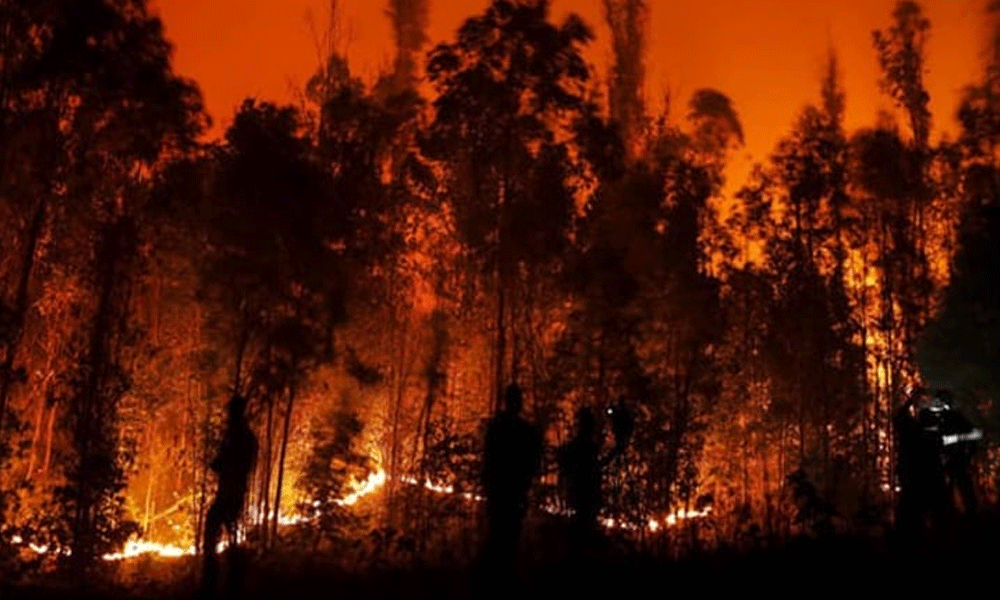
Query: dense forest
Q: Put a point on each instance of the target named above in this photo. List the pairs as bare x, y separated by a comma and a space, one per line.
372, 264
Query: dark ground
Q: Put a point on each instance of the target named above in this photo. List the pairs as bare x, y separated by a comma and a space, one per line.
953, 564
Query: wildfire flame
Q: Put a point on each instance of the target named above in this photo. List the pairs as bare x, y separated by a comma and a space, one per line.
135, 548
369, 486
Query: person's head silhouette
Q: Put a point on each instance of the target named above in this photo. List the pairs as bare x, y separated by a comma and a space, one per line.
945, 399
237, 407
513, 399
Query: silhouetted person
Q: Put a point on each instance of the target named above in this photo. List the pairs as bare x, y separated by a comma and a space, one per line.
232, 465
580, 472
959, 441
622, 426
510, 462
581, 468
918, 465
938, 504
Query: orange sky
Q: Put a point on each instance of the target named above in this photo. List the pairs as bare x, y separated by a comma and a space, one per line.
767, 55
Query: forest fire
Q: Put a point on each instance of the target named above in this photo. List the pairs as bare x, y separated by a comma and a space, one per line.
486, 292
374, 483
371, 485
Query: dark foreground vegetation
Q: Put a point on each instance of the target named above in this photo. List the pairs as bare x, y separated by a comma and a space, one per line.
952, 564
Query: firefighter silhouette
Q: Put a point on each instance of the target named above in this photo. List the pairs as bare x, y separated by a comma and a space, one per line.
938, 503
622, 426
232, 465
580, 473
959, 446
918, 465
581, 466
511, 460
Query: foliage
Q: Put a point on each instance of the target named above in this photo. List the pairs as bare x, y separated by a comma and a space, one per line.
508, 75
333, 470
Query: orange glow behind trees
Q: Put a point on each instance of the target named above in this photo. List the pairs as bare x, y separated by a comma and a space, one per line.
764, 54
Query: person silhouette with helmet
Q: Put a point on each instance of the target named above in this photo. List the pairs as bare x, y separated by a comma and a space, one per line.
937, 498
959, 446
232, 465
511, 460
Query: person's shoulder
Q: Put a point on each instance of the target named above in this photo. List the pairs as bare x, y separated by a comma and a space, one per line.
247, 434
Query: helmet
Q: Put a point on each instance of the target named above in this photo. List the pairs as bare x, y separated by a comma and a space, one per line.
944, 398
937, 405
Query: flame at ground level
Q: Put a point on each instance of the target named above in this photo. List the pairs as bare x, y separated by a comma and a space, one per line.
135, 548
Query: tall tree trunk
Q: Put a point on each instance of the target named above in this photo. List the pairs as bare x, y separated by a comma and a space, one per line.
281, 459
501, 346
206, 459
36, 436
49, 431
43, 402
500, 276
150, 479
20, 307
435, 374
241, 349
399, 395
866, 386
90, 408
265, 493
892, 366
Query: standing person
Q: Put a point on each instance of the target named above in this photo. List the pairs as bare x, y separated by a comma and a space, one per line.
510, 462
580, 472
622, 426
959, 440
938, 505
232, 465
918, 465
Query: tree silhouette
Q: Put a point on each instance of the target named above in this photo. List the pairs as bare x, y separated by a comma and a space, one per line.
89, 97
502, 85
627, 20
